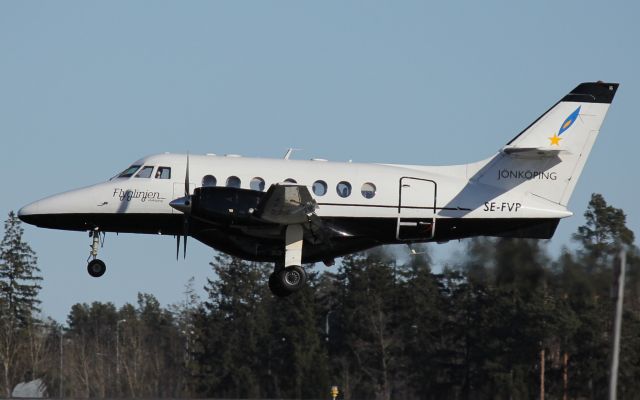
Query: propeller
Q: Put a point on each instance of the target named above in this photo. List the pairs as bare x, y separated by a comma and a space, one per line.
187, 202
183, 205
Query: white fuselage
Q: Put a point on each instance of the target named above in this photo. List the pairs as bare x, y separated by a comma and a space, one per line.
439, 197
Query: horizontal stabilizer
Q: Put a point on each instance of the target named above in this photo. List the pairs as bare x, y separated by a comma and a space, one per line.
532, 152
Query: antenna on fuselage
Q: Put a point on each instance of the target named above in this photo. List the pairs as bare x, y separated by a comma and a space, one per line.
289, 152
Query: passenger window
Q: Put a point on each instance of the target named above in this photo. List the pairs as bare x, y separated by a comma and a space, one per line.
163, 173
289, 180
233, 181
145, 172
257, 183
368, 190
344, 189
129, 171
319, 188
209, 181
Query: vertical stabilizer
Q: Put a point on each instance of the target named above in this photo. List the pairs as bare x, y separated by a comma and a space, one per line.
547, 158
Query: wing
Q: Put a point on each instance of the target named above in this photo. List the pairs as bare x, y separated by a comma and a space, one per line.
283, 204
290, 204
286, 204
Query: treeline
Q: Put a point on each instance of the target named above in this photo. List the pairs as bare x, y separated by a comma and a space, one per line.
505, 321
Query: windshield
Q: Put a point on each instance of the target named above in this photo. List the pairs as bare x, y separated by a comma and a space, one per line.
128, 172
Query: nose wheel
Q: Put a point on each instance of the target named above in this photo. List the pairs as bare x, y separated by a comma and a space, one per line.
95, 266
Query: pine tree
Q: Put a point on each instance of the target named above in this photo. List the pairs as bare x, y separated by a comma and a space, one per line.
19, 287
421, 320
297, 353
231, 330
590, 276
604, 233
90, 353
185, 314
19, 274
501, 317
369, 323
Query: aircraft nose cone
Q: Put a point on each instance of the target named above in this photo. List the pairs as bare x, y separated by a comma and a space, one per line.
182, 204
28, 212
66, 210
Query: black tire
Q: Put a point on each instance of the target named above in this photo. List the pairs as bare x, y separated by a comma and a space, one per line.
275, 287
292, 278
96, 268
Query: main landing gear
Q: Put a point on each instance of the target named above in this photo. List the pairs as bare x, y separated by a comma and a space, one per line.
289, 277
286, 280
95, 266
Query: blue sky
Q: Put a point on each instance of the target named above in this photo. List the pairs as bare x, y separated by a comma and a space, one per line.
88, 87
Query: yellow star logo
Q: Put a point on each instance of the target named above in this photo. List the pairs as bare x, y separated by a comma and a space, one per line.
555, 139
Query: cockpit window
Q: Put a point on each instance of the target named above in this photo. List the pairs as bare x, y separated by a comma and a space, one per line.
145, 172
163, 173
129, 171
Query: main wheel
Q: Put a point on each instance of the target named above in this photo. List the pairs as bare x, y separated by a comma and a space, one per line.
292, 278
96, 268
276, 288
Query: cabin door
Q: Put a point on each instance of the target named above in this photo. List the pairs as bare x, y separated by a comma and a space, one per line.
416, 209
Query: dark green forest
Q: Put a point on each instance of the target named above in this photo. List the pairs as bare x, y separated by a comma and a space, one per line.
504, 321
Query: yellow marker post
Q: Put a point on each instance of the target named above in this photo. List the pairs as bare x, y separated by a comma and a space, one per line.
334, 392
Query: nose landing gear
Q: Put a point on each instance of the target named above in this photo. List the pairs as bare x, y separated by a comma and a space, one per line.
95, 266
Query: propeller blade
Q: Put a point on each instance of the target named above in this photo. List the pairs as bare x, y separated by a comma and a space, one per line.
184, 254
186, 234
186, 179
187, 202
177, 246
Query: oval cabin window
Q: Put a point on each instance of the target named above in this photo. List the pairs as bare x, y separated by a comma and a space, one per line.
233, 181
368, 190
319, 188
257, 183
344, 189
209, 181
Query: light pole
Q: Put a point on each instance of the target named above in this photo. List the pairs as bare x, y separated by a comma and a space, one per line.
118, 351
187, 335
619, 279
61, 332
327, 326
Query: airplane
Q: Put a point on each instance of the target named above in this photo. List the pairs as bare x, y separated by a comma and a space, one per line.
292, 212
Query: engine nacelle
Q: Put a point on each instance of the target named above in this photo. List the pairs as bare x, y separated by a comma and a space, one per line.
225, 204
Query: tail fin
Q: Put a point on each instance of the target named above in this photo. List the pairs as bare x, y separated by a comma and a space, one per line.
546, 158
